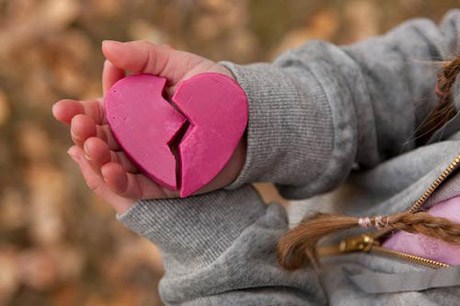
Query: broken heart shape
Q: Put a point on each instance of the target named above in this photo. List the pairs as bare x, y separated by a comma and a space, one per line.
181, 145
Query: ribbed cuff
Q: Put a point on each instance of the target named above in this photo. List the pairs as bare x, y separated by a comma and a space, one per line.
290, 129
197, 229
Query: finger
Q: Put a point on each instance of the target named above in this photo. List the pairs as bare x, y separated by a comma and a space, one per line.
110, 75
98, 153
142, 56
82, 127
97, 184
65, 110
134, 186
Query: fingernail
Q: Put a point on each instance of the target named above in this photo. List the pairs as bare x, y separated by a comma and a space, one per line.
85, 151
53, 109
75, 137
104, 176
73, 154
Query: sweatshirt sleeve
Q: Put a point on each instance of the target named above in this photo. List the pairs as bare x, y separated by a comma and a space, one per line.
320, 110
219, 249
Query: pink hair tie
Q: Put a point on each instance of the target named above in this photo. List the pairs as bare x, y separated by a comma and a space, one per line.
365, 222
378, 222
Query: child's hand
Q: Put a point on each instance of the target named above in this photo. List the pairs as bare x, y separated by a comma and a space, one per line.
106, 169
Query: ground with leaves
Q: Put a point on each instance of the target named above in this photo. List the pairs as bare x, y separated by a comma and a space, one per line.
60, 245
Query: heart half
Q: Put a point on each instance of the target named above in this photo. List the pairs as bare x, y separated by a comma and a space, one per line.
184, 145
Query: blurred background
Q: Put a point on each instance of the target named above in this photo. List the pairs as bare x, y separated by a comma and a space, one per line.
59, 244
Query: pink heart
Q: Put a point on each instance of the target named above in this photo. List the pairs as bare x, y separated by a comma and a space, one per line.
202, 127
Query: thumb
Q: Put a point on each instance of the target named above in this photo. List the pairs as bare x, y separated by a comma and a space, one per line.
145, 57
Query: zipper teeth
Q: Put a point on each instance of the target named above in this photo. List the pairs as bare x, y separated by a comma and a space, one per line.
375, 248
413, 258
452, 166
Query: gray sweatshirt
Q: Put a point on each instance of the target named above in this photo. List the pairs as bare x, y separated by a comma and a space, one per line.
322, 119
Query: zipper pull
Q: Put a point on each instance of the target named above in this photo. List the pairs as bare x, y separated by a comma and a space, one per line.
361, 243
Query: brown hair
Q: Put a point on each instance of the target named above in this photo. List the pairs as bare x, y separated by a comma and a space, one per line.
298, 245
445, 109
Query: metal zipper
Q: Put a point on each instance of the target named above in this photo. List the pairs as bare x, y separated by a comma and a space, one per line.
367, 243
370, 243
452, 166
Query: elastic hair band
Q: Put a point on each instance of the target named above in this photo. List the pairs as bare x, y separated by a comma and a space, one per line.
365, 222
378, 222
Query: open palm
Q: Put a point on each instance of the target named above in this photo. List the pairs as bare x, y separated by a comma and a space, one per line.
105, 168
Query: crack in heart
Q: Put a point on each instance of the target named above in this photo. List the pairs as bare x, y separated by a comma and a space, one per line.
190, 137
174, 147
